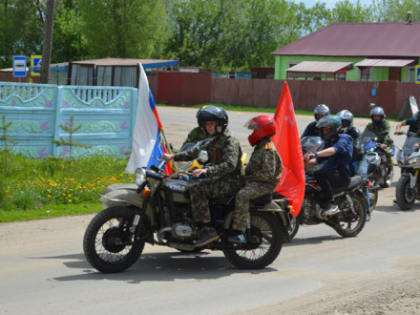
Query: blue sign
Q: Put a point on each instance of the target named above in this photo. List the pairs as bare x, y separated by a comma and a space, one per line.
36, 61
19, 66
417, 73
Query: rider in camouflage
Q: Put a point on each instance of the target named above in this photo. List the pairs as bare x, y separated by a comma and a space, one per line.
262, 173
198, 133
381, 128
224, 174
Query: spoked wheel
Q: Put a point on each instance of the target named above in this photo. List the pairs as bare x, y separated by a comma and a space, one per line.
349, 222
108, 244
293, 227
406, 196
263, 245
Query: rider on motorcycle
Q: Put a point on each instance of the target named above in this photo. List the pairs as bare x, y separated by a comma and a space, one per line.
336, 160
224, 174
262, 173
361, 163
413, 123
198, 133
320, 111
381, 128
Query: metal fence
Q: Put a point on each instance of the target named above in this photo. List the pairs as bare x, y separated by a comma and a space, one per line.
38, 112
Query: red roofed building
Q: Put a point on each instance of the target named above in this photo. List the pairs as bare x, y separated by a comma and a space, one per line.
353, 52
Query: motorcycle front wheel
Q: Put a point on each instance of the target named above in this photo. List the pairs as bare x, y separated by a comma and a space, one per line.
266, 232
108, 243
350, 223
406, 196
293, 227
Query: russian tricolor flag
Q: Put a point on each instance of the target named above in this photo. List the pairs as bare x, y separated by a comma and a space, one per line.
148, 145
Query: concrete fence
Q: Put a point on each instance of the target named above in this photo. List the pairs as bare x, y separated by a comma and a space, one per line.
106, 115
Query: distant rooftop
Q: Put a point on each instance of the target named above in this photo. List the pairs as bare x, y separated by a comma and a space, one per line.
358, 40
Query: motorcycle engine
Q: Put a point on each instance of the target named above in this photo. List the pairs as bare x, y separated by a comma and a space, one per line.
181, 230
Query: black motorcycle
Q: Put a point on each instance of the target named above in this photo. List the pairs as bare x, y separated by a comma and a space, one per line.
408, 159
351, 201
157, 210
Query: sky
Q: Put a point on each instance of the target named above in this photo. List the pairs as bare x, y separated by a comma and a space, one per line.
330, 3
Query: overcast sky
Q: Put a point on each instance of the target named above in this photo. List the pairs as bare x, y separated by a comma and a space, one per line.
330, 3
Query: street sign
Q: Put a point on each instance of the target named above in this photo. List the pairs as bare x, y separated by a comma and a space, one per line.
417, 73
19, 66
36, 61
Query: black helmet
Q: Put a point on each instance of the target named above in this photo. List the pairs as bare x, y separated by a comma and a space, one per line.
377, 111
321, 109
346, 119
213, 113
330, 121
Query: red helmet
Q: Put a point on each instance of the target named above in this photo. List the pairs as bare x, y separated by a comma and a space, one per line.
263, 126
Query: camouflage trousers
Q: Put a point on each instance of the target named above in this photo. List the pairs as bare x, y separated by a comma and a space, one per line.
251, 190
203, 190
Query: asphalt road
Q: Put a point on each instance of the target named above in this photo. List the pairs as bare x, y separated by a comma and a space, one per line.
43, 269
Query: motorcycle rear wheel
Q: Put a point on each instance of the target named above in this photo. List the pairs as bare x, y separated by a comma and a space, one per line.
272, 240
406, 196
107, 241
344, 224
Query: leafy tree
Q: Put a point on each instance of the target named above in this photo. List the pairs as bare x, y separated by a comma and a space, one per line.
346, 11
20, 29
69, 40
122, 28
395, 10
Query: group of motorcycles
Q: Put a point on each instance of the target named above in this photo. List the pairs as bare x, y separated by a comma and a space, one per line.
156, 209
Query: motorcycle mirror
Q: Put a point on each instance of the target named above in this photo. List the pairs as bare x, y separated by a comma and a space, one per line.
203, 157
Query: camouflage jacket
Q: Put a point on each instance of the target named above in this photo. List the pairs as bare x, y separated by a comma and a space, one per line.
195, 135
378, 129
265, 165
224, 152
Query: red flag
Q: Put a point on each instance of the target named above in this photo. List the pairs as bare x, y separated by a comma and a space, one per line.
287, 142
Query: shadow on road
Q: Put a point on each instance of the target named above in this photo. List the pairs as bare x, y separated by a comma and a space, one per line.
158, 267
313, 240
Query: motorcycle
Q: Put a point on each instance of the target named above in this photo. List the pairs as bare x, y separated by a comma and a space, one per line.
158, 211
408, 159
351, 200
379, 173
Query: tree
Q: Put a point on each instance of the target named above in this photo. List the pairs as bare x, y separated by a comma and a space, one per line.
346, 11
395, 10
122, 28
47, 41
20, 29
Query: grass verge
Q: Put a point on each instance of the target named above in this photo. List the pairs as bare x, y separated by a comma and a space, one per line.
49, 211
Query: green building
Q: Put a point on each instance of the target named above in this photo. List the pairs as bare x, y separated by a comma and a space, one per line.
353, 52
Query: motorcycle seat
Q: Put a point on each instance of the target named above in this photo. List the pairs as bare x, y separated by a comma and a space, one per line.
354, 182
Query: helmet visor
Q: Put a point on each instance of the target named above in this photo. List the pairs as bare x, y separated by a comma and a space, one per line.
252, 125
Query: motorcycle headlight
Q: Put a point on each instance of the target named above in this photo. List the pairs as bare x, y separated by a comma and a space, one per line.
140, 175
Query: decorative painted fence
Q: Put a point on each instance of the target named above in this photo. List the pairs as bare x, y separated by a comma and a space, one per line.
107, 116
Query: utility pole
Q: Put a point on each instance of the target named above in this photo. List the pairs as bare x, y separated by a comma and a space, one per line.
47, 41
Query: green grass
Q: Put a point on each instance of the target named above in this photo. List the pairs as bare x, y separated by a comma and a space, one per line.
51, 187
49, 211
266, 110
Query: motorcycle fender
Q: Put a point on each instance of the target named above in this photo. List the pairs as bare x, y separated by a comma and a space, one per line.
122, 197
270, 207
113, 187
